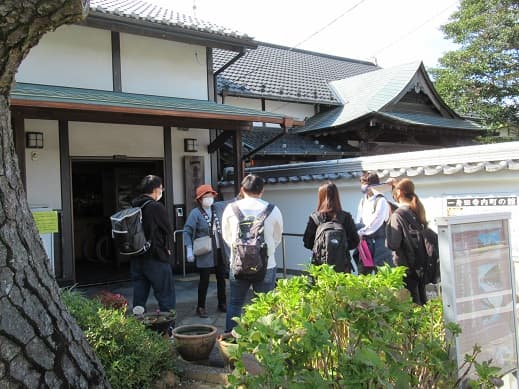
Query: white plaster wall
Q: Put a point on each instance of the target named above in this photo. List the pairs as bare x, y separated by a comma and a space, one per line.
298, 111
297, 200
74, 56
43, 166
107, 140
242, 102
178, 137
164, 68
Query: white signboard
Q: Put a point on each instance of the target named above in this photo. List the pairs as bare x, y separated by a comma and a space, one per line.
477, 286
471, 204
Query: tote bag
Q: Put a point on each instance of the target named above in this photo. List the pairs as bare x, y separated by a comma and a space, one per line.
365, 254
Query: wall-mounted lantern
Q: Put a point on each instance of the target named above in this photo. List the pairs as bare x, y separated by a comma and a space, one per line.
34, 140
190, 145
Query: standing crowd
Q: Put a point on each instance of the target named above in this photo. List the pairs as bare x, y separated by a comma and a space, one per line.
237, 240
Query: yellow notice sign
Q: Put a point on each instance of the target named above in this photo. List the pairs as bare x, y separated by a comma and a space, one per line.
46, 221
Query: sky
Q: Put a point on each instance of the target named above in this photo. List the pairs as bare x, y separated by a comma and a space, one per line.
388, 32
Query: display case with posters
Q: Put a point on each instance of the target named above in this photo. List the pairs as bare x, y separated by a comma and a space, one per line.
477, 286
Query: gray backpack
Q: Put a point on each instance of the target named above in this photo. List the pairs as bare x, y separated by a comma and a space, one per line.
250, 256
127, 231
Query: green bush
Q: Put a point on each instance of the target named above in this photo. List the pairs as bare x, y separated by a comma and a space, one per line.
336, 330
132, 355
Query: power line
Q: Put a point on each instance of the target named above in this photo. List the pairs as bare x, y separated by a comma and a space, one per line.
329, 24
309, 37
413, 30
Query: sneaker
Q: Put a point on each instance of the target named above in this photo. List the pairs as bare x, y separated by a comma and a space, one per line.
201, 312
222, 307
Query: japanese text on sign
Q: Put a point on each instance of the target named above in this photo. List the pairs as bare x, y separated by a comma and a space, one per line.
482, 201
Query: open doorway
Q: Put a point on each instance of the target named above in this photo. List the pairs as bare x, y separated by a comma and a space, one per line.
99, 189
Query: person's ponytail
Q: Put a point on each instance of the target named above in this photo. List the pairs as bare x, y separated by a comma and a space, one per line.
406, 187
418, 208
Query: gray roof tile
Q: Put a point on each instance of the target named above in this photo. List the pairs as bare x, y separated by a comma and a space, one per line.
283, 73
290, 144
368, 93
145, 11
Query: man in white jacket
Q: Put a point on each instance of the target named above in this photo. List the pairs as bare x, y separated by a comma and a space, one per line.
251, 204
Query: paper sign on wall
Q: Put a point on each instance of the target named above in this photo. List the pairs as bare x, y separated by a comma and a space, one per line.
46, 221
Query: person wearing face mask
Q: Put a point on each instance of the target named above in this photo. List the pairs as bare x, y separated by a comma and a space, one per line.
204, 220
153, 268
372, 216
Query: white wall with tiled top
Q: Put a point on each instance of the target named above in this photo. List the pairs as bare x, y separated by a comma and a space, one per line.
297, 200
163, 68
73, 56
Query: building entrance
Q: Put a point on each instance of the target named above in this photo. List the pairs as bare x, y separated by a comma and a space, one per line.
99, 189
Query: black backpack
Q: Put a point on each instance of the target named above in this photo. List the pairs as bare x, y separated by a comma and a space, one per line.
424, 242
330, 243
250, 256
127, 231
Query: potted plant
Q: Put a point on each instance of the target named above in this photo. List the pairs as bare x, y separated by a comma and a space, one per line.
194, 342
161, 322
227, 346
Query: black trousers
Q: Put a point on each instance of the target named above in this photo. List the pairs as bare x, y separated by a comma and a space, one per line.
416, 286
203, 284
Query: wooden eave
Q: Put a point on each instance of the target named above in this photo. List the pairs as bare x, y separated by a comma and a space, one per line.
363, 124
168, 32
145, 116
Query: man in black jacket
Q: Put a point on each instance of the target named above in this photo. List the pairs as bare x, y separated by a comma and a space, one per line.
153, 268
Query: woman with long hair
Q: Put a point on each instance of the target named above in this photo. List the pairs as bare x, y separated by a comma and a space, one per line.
328, 210
402, 236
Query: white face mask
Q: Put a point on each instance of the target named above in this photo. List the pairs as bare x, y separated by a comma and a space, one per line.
207, 202
160, 196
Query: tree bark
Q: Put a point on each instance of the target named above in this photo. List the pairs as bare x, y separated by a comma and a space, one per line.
40, 343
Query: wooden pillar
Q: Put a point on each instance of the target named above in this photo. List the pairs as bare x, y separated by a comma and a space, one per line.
168, 174
18, 125
67, 233
116, 62
237, 162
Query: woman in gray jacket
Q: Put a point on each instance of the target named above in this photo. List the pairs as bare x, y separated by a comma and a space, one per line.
204, 220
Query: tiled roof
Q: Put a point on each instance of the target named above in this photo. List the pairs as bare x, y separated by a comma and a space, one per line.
489, 158
144, 11
283, 73
93, 97
289, 144
369, 93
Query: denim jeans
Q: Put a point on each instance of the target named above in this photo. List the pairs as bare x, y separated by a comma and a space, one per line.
151, 273
239, 290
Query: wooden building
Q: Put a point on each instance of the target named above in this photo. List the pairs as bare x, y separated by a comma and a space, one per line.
98, 105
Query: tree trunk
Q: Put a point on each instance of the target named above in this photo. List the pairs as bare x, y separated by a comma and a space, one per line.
40, 343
